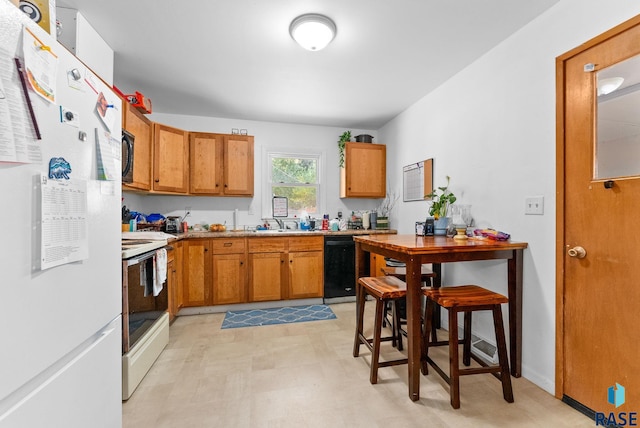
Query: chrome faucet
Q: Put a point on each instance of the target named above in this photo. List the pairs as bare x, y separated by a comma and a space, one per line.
280, 223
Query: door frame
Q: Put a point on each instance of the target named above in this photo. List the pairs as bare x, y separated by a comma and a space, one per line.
561, 103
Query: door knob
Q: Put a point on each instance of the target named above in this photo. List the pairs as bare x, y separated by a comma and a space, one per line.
578, 252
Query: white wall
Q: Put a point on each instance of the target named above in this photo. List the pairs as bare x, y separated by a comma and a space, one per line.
492, 129
268, 136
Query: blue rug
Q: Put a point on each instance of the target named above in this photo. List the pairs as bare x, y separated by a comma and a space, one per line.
256, 317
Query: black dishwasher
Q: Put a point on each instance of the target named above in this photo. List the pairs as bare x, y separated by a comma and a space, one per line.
339, 267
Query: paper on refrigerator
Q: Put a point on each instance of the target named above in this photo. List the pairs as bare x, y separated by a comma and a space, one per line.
17, 139
64, 231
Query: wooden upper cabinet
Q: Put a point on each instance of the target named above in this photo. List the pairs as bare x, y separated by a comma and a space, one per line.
138, 125
365, 171
220, 164
238, 165
170, 159
205, 163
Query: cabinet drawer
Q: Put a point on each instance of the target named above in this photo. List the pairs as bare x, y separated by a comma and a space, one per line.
228, 246
306, 243
267, 245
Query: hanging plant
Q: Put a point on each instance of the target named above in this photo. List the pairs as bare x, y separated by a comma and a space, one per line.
344, 138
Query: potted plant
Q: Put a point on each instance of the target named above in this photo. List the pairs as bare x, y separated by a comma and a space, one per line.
441, 199
344, 138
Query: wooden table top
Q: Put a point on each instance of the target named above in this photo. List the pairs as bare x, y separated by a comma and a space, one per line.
413, 244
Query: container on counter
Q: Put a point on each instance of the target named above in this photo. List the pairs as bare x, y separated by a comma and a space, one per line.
325, 222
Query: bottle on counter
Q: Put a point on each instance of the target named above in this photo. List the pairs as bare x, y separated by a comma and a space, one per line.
325, 222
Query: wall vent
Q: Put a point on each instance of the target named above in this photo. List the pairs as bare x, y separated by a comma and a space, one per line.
481, 347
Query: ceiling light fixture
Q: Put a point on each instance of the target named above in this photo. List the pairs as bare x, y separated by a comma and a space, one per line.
312, 31
606, 86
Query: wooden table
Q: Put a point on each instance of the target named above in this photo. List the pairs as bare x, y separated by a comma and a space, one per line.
416, 250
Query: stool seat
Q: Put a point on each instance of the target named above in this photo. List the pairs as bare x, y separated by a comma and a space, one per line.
465, 299
464, 295
383, 289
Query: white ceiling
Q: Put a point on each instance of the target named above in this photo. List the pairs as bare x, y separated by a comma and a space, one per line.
235, 59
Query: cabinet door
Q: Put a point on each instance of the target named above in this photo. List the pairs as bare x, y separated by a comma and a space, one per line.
238, 165
229, 279
170, 159
171, 285
138, 125
305, 274
365, 172
377, 262
205, 161
197, 273
266, 274
174, 282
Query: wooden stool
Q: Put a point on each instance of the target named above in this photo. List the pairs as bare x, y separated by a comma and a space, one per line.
384, 289
426, 277
466, 299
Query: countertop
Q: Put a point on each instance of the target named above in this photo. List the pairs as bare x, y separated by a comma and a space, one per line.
290, 232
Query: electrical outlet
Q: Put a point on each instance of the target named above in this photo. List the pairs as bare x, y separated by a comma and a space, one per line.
534, 205
69, 117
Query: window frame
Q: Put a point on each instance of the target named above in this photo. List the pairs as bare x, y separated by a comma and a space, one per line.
319, 157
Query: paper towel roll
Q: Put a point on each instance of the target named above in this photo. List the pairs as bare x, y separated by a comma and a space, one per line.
235, 219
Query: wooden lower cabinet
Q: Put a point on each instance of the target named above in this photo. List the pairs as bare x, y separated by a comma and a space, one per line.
285, 268
229, 279
224, 271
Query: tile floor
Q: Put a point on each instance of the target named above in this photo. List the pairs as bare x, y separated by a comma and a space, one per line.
304, 375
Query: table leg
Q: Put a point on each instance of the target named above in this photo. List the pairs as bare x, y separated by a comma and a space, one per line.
360, 270
414, 330
515, 312
437, 283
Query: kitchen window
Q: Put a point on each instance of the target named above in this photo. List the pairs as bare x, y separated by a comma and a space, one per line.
296, 177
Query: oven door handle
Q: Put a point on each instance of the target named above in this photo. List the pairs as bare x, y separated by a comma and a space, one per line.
137, 259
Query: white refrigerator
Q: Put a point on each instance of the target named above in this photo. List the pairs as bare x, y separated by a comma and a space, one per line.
60, 247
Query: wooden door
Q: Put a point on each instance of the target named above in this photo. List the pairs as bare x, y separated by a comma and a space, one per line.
365, 172
238, 165
138, 125
197, 272
306, 277
266, 276
229, 279
170, 159
597, 296
205, 163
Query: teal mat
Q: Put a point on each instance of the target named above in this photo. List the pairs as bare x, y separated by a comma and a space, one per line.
256, 317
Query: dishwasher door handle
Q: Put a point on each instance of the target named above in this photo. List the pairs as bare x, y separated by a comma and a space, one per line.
339, 244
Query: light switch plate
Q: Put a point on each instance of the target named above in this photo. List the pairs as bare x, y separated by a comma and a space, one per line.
534, 205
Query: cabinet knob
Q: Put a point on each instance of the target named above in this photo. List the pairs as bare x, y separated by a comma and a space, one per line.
225, 186
157, 180
217, 185
241, 263
206, 249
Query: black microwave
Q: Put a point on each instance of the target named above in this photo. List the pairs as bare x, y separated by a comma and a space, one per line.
127, 156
